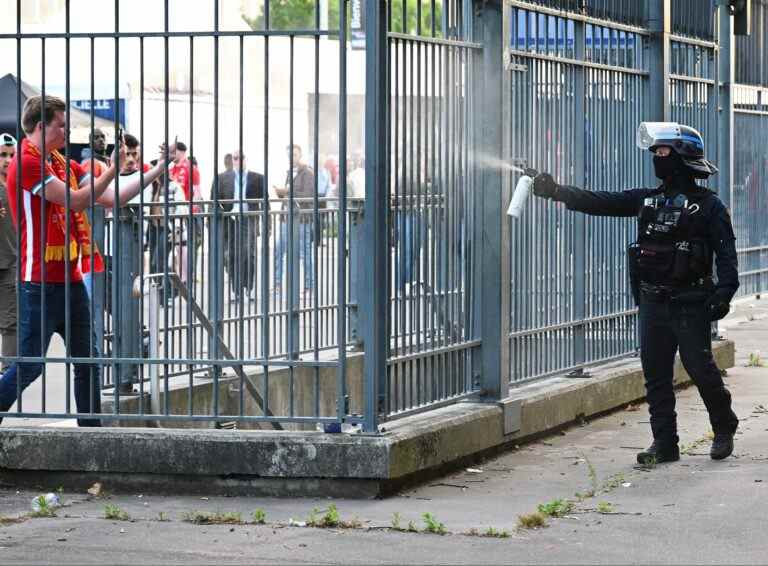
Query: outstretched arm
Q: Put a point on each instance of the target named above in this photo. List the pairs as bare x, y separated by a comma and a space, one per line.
132, 188
598, 203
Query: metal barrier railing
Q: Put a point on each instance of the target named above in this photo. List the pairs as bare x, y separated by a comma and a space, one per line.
248, 309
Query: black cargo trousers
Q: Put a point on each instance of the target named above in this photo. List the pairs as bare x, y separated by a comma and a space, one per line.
667, 325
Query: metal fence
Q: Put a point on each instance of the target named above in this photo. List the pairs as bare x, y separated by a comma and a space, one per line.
374, 301
431, 194
574, 102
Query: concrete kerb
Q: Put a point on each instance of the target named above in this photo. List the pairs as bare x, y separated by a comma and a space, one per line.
313, 463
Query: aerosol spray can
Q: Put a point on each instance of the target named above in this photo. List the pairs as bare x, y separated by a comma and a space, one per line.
522, 190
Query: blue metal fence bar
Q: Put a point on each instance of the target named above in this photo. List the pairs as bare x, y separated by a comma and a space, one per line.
694, 18
491, 229
750, 178
751, 60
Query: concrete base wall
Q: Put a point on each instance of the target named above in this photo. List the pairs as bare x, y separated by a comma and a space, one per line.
310, 463
305, 381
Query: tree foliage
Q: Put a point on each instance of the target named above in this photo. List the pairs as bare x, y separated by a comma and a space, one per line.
300, 14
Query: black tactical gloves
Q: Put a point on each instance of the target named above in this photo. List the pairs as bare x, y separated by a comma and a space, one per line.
544, 186
719, 305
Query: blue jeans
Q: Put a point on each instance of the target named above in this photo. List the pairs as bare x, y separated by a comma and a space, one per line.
35, 339
408, 227
302, 245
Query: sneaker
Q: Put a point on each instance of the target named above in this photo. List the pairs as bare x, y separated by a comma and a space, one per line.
657, 454
722, 446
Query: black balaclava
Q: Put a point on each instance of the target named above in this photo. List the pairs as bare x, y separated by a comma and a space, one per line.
670, 166
675, 173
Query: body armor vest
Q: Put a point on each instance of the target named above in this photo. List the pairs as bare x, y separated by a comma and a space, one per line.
671, 247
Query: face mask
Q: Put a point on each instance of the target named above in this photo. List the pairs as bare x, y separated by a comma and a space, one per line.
666, 167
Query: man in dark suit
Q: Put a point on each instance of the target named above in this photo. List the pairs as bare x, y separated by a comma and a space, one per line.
240, 201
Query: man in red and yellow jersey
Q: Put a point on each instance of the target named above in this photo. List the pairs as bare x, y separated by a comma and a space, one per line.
47, 196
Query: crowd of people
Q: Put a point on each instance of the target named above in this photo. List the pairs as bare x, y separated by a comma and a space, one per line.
59, 225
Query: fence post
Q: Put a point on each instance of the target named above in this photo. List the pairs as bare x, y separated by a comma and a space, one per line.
128, 338
215, 275
726, 78
374, 297
659, 104
356, 270
580, 220
491, 222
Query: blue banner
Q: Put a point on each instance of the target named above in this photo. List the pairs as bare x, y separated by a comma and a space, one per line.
103, 108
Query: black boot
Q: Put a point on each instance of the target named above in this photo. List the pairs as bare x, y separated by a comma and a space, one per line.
658, 453
722, 446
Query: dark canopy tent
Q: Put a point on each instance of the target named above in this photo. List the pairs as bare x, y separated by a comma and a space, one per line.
79, 121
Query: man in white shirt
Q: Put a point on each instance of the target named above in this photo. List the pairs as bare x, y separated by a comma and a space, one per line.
123, 241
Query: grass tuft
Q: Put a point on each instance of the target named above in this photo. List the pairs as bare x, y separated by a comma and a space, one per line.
556, 508
432, 525
604, 507
207, 518
114, 513
532, 521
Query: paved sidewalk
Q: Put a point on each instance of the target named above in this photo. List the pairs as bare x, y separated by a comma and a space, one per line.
695, 511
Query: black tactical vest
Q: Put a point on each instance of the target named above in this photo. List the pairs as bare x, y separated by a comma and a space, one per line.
671, 247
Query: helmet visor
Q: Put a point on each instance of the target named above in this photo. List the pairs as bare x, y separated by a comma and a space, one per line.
650, 133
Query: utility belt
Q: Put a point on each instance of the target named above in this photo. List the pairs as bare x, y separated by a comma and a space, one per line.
696, 292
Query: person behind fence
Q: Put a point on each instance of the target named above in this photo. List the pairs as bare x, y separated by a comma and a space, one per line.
186, 175
239, 189
681, 225
129, 187
100, 162
7, 256
124, 244
302, 178
45, 299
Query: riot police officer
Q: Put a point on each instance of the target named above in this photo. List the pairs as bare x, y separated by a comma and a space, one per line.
681, 226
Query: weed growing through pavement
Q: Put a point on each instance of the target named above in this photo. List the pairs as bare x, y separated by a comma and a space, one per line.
592, 474
612, 483
259, 516
556, 508
207, 518
755, 361
312, 520
432, 525
44, 509
114, 513
163, 517
604, 507
412, 527
531, 521
491, 532
331, 519
395, 522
